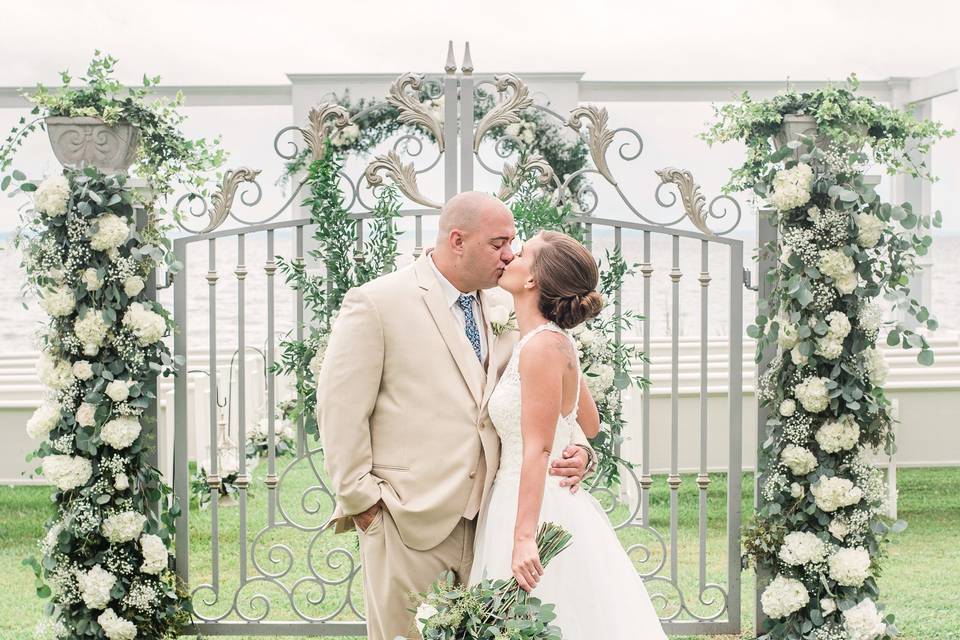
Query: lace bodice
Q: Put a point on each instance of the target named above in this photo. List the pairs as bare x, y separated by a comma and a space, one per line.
504, 410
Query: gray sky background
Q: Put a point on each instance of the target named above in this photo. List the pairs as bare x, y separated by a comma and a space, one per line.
243, 42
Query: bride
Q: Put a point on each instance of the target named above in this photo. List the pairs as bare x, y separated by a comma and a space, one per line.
534, 408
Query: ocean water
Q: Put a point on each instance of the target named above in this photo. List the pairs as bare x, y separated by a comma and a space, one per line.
19, 323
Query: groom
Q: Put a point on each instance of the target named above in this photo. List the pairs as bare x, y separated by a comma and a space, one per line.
401, 404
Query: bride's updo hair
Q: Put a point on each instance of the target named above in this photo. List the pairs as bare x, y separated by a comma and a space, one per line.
568, 276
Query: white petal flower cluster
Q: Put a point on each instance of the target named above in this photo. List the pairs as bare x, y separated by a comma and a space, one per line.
43, 420
112, 231
67, 472
799, 460
82, 370
870, 318
783, 596
841, 268
91, 330
118, 390
841, 434
833, 493
120, 432
838, 528
877, 367
802, 547
791, 187
154, 554
115, 627
788, 407
813, 394
147, 325
346, 136
86, 414
52, 196
863, 621
601, 380
54, 372
787, 333
317, 361
850, 567
58, 301
123, 527
133, 285
95, 586
828, 606
91, 279
869, 229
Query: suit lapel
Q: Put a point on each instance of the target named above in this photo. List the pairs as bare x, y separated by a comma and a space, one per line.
491, 379
453, 336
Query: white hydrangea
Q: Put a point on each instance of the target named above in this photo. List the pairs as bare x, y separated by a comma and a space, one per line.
877, 367
847, 284
788, 407
154, 554
133, 285
869, 229
841, 268
783, 596
82, 370
52, 196
123, 527
86, 414
118, 390
145, 324
833, 493
799, 460
863, 621
838, 435
91, 280
830, 347
43, 420
67, 472
839, 324
58, 301
91, 330
601, 382
791, 187
95, 586
112, 231
802, 547
850, 567
870, 317
49, 629
115, 627
120, 432
813, 394
54, 372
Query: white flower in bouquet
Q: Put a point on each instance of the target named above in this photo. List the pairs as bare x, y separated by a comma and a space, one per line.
154, 554
788, 407
345, 136
870, 317
797, 490
118, 390
112, 231
841, 268
133, 285
869, 229
82, 370
54, 372
802, 547
829, 347
43, 420
828, 606
95, 586
877, 367
798, 358
145, 324
839, 324
316, 362
787, 333
121, 482
847, 284
49, 629
52, 196
799, 460
120, 432
86, 414
791, 187
783, 596
813, 394
850, 567
528, 133
90, 279
833, 493
123, 527
838, 435
91, 330
115, 627
67, 472
838, 529
424, 612
863, 621
512, 129
600, 382
58, 301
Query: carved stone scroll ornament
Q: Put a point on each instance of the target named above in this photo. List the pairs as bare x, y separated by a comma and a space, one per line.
403, 175
599, 136
319, 128
512, 173
694, 203
223, 199
412, 110
505, 112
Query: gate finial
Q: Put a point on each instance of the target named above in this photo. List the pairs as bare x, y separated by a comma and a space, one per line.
451, 66
467, 60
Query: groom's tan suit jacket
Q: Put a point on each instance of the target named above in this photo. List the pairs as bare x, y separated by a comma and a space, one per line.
402, 405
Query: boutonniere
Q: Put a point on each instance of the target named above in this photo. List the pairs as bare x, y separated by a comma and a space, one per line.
502, 320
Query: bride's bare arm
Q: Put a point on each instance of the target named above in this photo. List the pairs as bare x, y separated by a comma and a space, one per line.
542, 365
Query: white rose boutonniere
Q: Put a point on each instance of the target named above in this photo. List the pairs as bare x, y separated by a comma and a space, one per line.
502, 320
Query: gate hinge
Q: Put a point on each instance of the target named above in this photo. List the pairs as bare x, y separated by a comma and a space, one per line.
748, 279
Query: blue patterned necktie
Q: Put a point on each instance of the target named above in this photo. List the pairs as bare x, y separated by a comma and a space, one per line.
473, 335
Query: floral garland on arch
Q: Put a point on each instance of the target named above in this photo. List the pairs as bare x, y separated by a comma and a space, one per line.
821, 530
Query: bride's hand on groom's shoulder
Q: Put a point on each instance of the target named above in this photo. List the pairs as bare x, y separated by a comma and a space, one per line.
363, 520
526, 563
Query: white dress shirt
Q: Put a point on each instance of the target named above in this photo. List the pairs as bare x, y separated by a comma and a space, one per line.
451, 294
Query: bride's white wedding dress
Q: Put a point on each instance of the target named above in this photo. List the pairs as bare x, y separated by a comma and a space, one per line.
593, 584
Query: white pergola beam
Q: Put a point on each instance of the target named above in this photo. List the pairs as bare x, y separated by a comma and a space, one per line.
713, 91
939, 84
195, 95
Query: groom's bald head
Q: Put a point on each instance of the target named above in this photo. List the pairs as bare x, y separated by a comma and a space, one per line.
473, 240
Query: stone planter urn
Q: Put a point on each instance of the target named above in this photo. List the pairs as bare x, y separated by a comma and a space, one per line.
89, 142
795, 125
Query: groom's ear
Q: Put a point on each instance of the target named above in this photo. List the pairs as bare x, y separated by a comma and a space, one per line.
455, 240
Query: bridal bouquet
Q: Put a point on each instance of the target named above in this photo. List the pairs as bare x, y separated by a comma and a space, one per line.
491, 609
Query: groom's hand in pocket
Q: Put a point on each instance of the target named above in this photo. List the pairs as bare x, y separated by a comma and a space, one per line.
363, 520
571, 467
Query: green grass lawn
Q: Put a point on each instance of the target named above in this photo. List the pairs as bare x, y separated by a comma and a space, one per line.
919, 584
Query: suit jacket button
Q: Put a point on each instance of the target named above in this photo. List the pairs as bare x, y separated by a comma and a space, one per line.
473, 474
